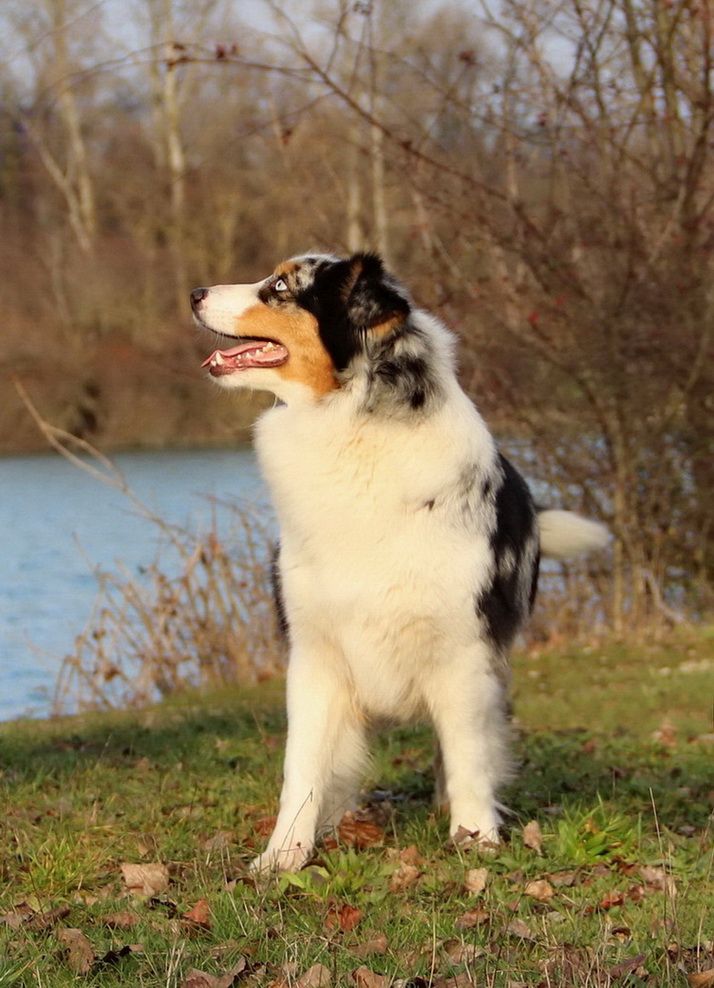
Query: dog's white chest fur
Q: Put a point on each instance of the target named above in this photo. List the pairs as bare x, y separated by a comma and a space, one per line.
377, 574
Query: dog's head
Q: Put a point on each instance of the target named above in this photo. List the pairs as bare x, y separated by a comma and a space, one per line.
301, 331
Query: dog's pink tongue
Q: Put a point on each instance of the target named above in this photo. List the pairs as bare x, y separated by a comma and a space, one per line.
254, 353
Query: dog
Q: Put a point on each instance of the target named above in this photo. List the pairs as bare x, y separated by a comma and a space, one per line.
409, 547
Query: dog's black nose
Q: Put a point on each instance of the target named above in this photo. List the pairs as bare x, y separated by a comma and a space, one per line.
198, 295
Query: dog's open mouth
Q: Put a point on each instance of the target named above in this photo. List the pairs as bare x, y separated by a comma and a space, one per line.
250, 353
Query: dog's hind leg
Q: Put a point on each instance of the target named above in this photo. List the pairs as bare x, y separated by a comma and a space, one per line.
324, 742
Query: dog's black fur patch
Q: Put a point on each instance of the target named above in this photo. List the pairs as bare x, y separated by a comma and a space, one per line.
278, 599
507, 600
348, 298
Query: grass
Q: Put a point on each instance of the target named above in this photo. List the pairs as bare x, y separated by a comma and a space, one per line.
616, 769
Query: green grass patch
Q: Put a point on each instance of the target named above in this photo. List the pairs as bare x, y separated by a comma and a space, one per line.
616, 768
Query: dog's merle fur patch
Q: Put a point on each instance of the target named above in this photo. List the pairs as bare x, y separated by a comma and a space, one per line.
505, 603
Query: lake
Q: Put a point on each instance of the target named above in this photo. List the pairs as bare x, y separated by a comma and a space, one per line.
58, 523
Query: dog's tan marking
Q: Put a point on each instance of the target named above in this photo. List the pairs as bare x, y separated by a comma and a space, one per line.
384, 328
286, 268
309, 363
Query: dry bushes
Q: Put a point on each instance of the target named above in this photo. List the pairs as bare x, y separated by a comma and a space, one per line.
212, 623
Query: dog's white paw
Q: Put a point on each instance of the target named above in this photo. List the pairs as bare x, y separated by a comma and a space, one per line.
281, 859
480, 831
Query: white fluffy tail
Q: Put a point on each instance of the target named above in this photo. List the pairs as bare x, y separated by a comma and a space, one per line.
563, 534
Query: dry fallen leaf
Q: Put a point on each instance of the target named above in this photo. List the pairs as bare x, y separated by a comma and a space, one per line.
317, 976
199, 979
14, 920
80, 953
666, 734
378, 944
610, 899
265, 825
120, 921
411, 856
540, 889
459, 952
475, 880
471, 918
461, 980
405, 876
518, 928
627, 967
364, 978
659, 879
702, 979
220, 841
343, 917
359, 833
200, 914
145, 879
563, 879
532, 836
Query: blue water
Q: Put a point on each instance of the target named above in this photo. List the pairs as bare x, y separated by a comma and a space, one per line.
57, 524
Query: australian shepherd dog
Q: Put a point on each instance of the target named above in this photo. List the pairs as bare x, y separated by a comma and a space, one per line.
409, 546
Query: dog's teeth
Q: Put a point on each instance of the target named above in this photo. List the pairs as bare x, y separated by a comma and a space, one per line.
218, 360
269, 346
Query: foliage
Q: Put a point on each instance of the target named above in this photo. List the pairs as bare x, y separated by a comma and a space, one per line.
542, 178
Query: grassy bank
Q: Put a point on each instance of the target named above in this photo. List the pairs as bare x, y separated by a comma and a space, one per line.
615, 889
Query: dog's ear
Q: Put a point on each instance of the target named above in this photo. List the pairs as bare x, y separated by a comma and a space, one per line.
372, 301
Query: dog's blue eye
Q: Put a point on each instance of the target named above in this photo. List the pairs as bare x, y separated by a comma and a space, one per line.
280, 285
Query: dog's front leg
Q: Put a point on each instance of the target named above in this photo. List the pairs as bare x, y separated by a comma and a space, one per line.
467, 709
320, 714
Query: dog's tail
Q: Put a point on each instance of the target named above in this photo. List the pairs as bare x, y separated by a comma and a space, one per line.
563, 534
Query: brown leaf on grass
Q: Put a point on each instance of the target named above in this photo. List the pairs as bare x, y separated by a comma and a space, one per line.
405, 876
317, 976
25, 915
364, 978
666, 734
459, 952
199, 979
120, 921
611, 899
220, 841
80, 953
145, 879
44, 920
467, 839
518, 928
378, 944
359, 833
13, 920
658, 878
475, 880
627, 966
342, 917
461, 980
411, 856
539, 889
533, 837
471, 918
563, 879
199, 915
702, 979
265, 825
